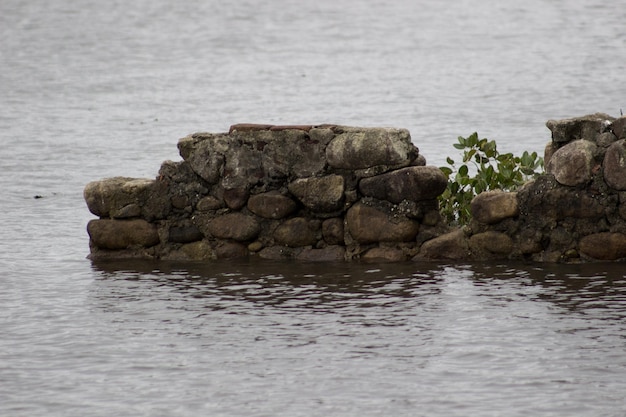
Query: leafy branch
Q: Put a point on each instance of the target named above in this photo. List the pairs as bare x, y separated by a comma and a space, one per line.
492, 170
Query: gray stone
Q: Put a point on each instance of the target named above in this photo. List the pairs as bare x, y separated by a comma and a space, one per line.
490, 207
271, 205
618, 127
573, 163
230, 250
109, 196
321, 195
586, 127
122, 234
414, 183
614, 166
209, 203
236, 198
360, 148
369, 224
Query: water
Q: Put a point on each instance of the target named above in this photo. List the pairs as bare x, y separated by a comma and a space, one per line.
88, 92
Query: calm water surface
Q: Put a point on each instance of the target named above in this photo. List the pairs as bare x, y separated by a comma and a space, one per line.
88, 92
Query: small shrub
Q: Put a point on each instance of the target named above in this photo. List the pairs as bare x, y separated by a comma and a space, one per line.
483, 169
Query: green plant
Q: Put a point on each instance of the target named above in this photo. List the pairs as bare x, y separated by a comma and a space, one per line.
483, 169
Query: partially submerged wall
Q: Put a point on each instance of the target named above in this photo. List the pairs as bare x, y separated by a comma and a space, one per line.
277, 192
323, 193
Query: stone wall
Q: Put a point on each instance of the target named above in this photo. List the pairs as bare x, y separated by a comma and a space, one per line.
326, 193
574, 212
276, 192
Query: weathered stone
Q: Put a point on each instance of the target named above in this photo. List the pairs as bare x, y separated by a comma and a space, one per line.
327, 254
618, 127
209, 203
236, 226
255, 246
122, 234
205, 154
277, 253
451, 246
322, 195
604, 246
572, 164
184, 234
199, 251
271, 205
490, 245
614, 165
236, 198
368, 225
413, 183
296, 232
332, 231
586, 127
230, 250
127, 212
384, 255
357, 148
490, 207
109, 196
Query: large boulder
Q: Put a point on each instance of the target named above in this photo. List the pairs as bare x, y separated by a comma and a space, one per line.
490, 207
450, 246
413, 183
490, 245
122, 234
368, 224
604, 246
573, 163
123, 197
271, 205
361, 148
235, 226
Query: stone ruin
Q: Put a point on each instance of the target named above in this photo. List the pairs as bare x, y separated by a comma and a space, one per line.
335, 193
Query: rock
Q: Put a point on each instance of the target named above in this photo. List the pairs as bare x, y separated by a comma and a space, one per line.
490, 245
271, 205
236, 198
122, 234
384, 255
184, 234
205, 154
604, 246
107, 197
236, 226
209, 203
277, 253
327, 254
490, 207
614, 166
588, 127
230, 250
357, 148
450, 246
413, 183
618, 127
572, 164
332, 231
296, 232
368, 225
199, 251
320, 195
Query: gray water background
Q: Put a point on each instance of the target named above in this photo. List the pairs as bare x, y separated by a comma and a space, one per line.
91, 90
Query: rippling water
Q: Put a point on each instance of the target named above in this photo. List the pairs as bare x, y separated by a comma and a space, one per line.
88, 92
